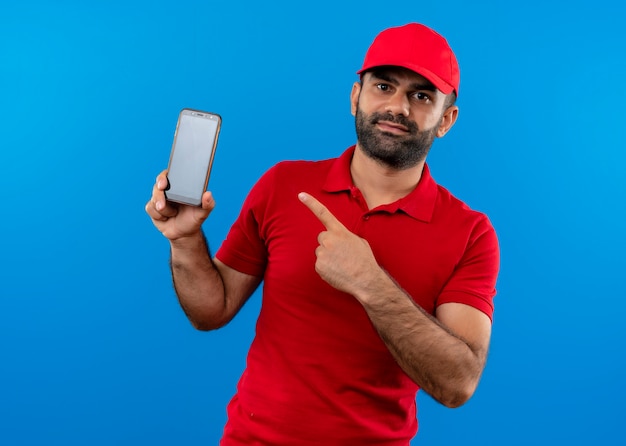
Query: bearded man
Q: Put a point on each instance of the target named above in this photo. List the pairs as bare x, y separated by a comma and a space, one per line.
377, 282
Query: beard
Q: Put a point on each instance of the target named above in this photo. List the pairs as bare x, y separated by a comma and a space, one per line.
396, 151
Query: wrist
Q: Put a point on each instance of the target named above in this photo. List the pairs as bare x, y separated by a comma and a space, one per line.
189, 242
374, 290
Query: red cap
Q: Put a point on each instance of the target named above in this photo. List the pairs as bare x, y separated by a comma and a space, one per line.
419, 49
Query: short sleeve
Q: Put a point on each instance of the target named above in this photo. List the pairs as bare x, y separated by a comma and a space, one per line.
244, 248
473, 281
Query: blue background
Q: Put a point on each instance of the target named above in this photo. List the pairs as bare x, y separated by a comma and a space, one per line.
93, 346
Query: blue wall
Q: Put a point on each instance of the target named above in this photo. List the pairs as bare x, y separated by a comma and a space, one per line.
93, 346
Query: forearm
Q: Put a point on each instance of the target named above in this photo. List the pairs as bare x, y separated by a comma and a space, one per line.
198, 283
440, 362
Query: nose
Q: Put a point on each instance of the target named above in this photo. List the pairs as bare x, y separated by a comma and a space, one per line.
398, 104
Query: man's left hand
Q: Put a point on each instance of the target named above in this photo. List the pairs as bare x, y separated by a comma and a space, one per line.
344, 260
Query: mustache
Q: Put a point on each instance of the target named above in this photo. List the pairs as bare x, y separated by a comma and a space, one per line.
397, 119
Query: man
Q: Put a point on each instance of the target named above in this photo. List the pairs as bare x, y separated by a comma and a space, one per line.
376, 281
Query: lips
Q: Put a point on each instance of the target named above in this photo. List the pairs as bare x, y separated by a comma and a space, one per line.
392, 127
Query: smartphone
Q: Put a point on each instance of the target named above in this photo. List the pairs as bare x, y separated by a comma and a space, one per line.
191, 158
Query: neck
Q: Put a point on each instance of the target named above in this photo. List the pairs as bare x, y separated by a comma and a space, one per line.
381, 184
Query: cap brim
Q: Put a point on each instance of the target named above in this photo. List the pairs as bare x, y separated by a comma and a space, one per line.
441, 85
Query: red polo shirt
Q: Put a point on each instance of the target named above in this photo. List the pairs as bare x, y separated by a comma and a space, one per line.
317, 371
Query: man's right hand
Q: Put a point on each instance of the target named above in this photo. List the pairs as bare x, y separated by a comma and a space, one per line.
175, 220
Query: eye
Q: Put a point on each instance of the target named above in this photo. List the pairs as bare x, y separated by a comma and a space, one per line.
422, 97
383, 87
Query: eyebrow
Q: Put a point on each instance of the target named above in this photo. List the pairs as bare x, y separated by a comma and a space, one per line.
386, 76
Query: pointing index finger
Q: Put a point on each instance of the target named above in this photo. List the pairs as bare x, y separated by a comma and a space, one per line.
320, 211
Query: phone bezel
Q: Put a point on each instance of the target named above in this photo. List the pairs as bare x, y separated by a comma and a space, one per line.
183, 199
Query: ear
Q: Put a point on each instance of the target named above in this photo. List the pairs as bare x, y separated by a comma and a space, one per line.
447, 120
354, 97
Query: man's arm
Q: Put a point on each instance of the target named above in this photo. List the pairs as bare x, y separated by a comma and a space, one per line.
444, 355
209, 292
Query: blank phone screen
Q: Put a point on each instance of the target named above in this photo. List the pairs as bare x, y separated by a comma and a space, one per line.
192, 156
